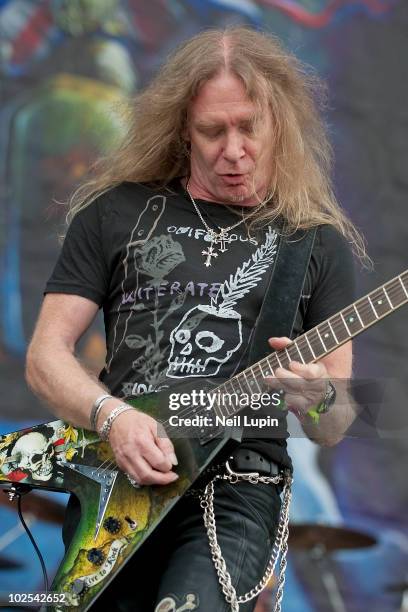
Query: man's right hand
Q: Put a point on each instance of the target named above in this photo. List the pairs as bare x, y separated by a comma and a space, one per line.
55, 374
141, 447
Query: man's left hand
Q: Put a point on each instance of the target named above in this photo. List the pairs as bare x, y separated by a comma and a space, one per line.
304, 384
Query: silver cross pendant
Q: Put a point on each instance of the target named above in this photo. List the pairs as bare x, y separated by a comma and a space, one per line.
209, 253
222, 239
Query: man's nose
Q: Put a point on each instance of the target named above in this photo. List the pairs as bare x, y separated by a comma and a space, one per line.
234, 147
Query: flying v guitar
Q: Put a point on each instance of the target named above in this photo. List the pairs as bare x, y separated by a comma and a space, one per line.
117, 517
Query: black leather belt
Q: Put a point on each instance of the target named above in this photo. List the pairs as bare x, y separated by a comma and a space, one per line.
245, 460
242, 460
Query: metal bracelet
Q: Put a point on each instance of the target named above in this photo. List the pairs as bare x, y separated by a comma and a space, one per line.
280, 545
107, 424
96, 407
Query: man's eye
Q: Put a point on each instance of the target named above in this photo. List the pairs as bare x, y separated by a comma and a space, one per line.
213, 133
247, 129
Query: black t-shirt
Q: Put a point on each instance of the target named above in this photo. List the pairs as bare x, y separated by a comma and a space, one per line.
140, 253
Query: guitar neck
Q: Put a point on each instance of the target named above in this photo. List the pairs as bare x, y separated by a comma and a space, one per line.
327, 336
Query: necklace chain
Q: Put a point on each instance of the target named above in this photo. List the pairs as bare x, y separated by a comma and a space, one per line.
219, 238
223, 230
279, 548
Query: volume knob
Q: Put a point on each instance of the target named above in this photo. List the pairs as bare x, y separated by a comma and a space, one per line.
112, 524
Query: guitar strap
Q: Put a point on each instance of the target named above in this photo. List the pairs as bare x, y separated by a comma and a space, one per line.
276, 317
282, 296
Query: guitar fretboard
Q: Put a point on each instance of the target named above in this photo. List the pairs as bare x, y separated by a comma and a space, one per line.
322, 339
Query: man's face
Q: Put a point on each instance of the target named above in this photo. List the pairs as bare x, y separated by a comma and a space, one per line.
231, 154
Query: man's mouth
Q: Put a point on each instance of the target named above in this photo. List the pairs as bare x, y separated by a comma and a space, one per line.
233, 178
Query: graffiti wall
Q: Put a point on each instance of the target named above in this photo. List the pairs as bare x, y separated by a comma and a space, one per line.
65, 65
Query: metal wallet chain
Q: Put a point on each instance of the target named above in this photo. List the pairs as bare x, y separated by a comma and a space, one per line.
280, 546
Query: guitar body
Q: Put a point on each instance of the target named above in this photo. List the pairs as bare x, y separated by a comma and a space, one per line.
116, 517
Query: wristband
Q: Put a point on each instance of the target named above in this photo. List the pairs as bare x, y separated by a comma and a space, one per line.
106, 426
96, 407
325, 405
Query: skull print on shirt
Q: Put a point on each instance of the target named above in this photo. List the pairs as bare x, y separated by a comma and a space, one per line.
196, 349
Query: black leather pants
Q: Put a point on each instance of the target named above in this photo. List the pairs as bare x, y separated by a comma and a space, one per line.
173, 570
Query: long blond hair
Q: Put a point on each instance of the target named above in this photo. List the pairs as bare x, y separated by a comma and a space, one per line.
153, 149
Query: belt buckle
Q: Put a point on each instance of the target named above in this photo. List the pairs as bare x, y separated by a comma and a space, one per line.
236, 475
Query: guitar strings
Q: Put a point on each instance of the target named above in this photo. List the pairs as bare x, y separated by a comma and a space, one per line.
108, 465
364, 308
394, 292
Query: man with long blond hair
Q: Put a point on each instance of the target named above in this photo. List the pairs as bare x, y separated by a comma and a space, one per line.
173, 235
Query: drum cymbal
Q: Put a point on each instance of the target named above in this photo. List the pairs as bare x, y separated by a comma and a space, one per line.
43, 508
306, 536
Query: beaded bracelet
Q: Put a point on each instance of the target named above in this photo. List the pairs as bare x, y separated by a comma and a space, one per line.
106, 426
